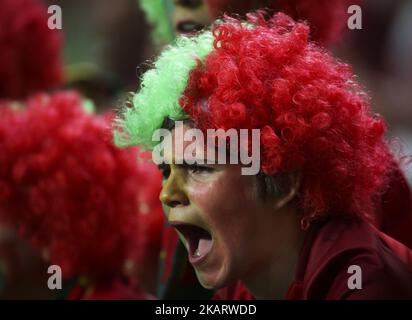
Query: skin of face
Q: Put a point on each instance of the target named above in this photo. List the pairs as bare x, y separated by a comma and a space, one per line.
246, 231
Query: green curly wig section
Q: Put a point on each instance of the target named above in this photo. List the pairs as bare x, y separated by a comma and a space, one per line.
157, 15
160, 91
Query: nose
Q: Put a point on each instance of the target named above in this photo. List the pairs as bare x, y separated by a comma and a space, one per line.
173, 193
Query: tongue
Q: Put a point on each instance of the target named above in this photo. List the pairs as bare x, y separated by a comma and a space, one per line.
204, 246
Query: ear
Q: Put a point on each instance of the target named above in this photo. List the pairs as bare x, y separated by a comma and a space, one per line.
290, 189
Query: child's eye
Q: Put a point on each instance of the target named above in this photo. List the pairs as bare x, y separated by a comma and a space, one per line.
199, 169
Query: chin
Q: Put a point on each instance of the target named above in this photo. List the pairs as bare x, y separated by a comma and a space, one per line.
211, 285
214, 281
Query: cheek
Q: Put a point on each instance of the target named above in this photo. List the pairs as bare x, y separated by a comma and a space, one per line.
228, 205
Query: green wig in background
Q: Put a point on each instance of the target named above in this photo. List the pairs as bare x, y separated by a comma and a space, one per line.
160, 90
157, 14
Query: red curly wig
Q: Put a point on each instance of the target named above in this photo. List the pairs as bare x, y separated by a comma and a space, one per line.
30, 53
71, 192
313, 115
326, 18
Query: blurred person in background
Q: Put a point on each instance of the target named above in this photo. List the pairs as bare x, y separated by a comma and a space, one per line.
171, 18
105, 42
35, 189
30, 61
380, 53
30, 53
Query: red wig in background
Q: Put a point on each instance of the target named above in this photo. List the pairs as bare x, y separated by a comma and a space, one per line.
313, 115
30, 53
327, 20
71, 192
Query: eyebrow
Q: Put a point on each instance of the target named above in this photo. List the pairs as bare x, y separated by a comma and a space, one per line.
165, 166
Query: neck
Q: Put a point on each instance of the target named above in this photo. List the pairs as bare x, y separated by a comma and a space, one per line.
272, 279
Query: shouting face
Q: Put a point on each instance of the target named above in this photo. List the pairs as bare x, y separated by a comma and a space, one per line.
226, 227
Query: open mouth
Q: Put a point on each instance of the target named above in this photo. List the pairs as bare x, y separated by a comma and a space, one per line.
189, 27
199, 241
